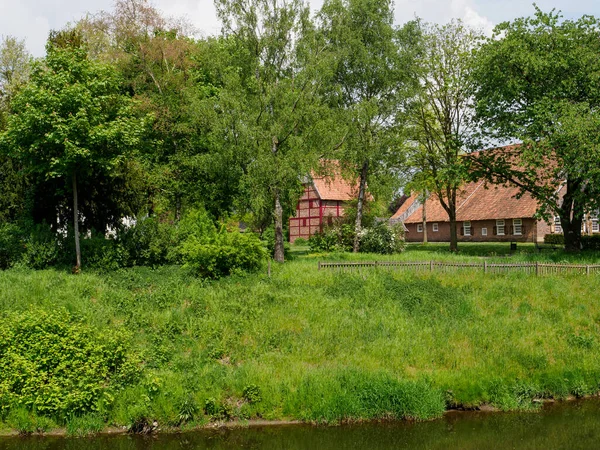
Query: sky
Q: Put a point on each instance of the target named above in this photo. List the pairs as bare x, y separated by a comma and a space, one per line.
32, 20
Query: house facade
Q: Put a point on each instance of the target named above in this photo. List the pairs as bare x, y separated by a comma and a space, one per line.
484, 213
324, 199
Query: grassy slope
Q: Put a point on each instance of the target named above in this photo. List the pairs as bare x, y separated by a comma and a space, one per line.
328, 346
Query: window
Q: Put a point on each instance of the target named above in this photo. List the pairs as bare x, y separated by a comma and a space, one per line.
557, 227
517, 227
420, 228
500, 227
467, 228
484, 231
594, 219
435, 227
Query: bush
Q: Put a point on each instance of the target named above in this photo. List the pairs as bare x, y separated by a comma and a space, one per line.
336, 237
224, 254
43, 248
591, 242
149, 242
300, 242
268, 238
554, 239
56, 366
11, 245
382, 238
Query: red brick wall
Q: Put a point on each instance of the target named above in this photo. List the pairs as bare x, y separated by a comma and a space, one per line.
530, 232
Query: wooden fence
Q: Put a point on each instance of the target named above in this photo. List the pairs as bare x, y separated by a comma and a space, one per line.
534, 268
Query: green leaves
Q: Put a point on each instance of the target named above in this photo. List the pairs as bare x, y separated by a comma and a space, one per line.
57, 366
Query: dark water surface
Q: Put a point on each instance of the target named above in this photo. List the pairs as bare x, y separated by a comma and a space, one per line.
571, 425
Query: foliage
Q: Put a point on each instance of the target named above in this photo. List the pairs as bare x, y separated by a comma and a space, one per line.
57, 366
271, 108
223, 254
11, 245
537, 83
71, 120
373, 65
382, 238
379, 238
590, 242
440, 115
556, 239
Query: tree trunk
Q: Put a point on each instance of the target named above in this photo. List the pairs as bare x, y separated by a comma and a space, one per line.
76, 224
571, 217
425, 218
279, 253
453, 234
359, 206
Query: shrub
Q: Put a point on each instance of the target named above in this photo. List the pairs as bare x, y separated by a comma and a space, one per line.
382, 238
554, 239
338, 236
11, 245
591, 242
268, 238
43, 248
300, 242
225, 253
57, 366
148, 243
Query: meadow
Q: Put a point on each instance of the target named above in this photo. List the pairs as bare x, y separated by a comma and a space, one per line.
320, 346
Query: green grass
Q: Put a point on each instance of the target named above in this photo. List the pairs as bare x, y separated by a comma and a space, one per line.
327, 347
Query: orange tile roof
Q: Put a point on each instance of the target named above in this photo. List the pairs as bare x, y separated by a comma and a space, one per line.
333, 186
476, 201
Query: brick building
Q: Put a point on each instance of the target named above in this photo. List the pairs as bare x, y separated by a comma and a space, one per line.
324, 198
484, 213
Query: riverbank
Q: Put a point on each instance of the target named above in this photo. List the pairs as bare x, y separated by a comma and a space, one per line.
314, 346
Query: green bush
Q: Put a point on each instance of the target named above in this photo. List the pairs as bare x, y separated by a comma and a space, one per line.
268, 238
300, 242
54, 365
591, 242
554, 239
336, 237
224, 254
149, 242
43, 248
11, 245
382, 238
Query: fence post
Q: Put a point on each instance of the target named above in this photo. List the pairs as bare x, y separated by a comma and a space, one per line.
587, 269
537, 268
318, 269
431, 266
484, 266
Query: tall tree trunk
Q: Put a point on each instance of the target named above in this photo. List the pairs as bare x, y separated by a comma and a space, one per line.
360, 205
425, 218
76, 223
279, 253
571, 217
452, 217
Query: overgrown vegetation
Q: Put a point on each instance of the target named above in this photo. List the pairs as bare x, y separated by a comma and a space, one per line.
303, 344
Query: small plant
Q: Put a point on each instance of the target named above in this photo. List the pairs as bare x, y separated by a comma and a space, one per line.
252, 394
187, 410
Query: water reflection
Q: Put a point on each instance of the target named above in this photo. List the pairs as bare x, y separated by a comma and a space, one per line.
561, 426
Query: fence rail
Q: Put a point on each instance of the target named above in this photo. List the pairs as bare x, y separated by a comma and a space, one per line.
534, 268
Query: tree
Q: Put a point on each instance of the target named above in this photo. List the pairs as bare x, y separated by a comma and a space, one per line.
537, 83
270, 106
441, 113
71, 121
372, 78
15, 63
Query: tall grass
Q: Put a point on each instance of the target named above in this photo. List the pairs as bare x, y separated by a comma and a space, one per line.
329, 347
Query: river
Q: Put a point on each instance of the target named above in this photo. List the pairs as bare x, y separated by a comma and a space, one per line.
565, 425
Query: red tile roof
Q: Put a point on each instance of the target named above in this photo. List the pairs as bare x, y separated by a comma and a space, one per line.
333, 186
476, 201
